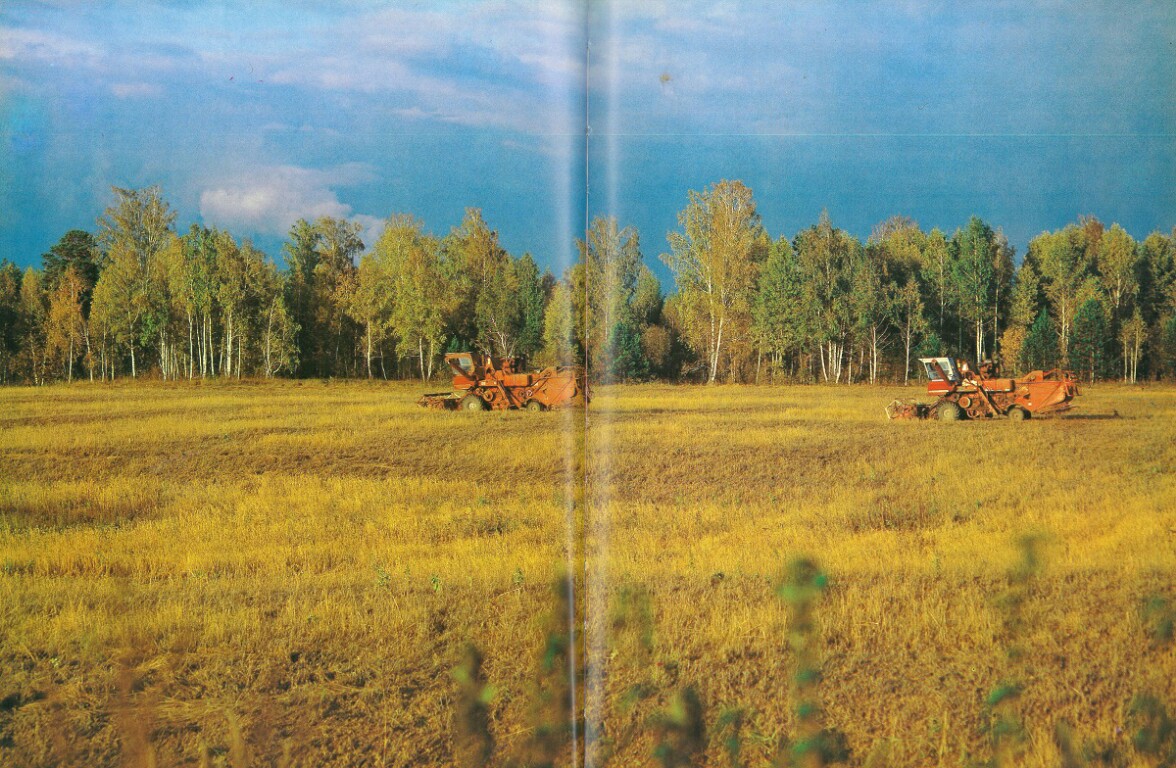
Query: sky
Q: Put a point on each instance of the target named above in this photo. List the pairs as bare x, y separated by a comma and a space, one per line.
252, 115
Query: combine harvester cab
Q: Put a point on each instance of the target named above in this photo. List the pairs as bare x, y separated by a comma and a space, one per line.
967, 394
482, 382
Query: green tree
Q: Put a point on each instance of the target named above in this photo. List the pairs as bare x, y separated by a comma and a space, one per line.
413, 260
909, 317
647, 297
871, 305
1133, 334
1166, 338
1118, 259
1004, 269
610, 258
777, 319
533, 290
559, 327
1158, 281
369, 303
1061, 259
974, 252
1090, 340
826, 257
714, 260
471, 259
133, 233
1118, 262
301, 251
936, 273
66, 322
500, 311
1024, 307
626, 356
906, 253
1040, 352
334, 332
278, 329
33, 320
10, 315
77, 248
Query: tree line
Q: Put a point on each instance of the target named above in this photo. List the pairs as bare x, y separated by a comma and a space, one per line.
138, 297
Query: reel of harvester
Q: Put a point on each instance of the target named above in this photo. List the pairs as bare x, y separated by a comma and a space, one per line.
905, 410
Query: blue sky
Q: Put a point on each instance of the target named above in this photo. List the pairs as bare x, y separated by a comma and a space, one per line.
250, 115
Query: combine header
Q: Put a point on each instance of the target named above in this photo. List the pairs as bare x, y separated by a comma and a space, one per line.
967, 394
487, 383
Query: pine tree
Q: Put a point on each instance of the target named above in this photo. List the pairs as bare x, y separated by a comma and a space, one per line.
10, 341
1090, 340
627, 360
1040, 352
78, 249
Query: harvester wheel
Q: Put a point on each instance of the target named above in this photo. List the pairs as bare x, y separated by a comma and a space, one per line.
1016, 413
534, 405
473, 403
949, 411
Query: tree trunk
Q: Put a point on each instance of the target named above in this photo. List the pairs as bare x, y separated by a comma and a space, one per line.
906, 371
190, 361
718, 350
89, 352
369, 349
269, 332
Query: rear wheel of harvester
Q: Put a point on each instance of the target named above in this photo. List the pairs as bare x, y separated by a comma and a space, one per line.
534, 405
473, 403
949, 411
1016, 413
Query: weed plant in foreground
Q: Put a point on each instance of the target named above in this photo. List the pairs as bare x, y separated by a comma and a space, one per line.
293, 572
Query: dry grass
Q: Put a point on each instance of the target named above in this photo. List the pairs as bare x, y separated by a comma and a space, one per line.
286, 573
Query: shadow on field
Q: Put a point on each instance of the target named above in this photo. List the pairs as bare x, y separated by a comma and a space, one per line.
1093, 416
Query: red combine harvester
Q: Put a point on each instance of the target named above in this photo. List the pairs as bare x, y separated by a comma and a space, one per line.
964, 393
484, 383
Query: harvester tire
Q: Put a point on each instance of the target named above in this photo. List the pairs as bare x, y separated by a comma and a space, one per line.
534, 405
473, 403
949, 411
1016, 413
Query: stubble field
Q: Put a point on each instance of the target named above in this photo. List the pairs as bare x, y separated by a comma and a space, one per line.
287, 573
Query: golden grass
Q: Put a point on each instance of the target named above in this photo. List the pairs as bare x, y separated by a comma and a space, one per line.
288, 571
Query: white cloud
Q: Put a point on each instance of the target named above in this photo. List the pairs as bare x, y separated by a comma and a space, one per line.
135, 90
17, 43
520, 64
269, 199
372, 227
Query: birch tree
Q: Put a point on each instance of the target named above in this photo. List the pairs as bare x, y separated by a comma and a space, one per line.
66, 323
1118, 264
34, 315
826, 256
611, 259
370, 305
974, 249
413, 260
714, 260
133, 232
1064, 267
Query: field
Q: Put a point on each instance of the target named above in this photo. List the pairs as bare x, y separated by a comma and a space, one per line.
287, 573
